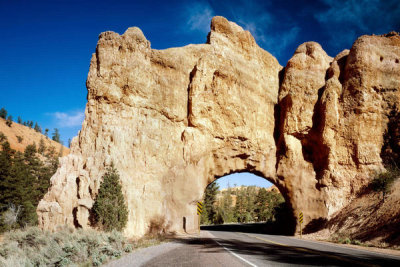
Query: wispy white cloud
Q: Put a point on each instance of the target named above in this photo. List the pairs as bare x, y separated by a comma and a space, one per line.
256, 25
289, 37
354, 17
68, 119
199, 15
261, 23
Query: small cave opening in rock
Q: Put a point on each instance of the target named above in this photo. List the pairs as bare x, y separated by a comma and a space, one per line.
246, 202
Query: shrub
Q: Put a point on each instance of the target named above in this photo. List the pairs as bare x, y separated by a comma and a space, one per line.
3, 113
20, 138
10, 216
109, 208
28, 215
9, 121
383, 181
84, 247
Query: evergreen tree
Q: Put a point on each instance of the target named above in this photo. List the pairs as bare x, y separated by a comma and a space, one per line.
37, 128
56, 136
261, 204
209, 200
109, 208
9, 121
20, 138
42, 147
19, 120
3, 113
6, 154
24, 179
226, 203
46, 132
3, 138
5, 157
240, 206
18, 186
28, 214
69, 143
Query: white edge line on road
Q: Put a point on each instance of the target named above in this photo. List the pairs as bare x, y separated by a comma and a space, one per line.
358, 249
236, 255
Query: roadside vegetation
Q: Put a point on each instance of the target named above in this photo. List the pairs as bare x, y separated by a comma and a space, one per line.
24, 244
343, 239
109, 209
241, 204
68, 247
382, 182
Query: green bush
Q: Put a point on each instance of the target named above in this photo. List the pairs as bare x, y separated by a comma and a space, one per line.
109, 208
9, 121
20, 138
383, 181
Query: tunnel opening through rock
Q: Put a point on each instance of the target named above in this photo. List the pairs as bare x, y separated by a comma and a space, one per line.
248, 202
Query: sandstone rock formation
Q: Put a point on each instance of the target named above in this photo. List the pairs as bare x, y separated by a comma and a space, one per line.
174, 120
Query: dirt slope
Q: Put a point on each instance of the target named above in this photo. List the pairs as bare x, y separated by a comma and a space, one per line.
370, 219
29, 136
367, 219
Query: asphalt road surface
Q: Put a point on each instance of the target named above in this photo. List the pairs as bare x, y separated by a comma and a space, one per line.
224, 248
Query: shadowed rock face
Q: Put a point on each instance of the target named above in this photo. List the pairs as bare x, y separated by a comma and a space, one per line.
174, 120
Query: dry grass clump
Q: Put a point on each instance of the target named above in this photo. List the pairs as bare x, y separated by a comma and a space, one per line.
345, 239
68, 247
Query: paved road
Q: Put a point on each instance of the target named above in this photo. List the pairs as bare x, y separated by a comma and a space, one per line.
222, 248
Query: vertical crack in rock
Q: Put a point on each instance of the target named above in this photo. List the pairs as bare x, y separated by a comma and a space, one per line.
77, 187
189, 97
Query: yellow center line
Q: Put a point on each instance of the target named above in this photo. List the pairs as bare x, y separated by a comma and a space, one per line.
311, 251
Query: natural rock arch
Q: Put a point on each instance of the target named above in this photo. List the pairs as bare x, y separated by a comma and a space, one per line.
172, 120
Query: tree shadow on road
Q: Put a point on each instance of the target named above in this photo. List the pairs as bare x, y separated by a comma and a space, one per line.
285, 254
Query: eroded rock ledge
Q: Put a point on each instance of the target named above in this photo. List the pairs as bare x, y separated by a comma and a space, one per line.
174, 120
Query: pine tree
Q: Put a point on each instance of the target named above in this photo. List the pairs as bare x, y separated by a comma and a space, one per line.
37, 128
42, 147
261, 204
28, 214
109, 208
19, 120
56, 136
26, 181
209, 200
46, 132
240, 207
3, 113
6, 154
226, 204
9, 121
3, 138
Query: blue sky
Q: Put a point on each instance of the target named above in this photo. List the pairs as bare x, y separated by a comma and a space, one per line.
243, 178
46, 45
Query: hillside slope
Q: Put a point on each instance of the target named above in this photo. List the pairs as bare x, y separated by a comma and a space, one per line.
29, 136
366, 219
371, 220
